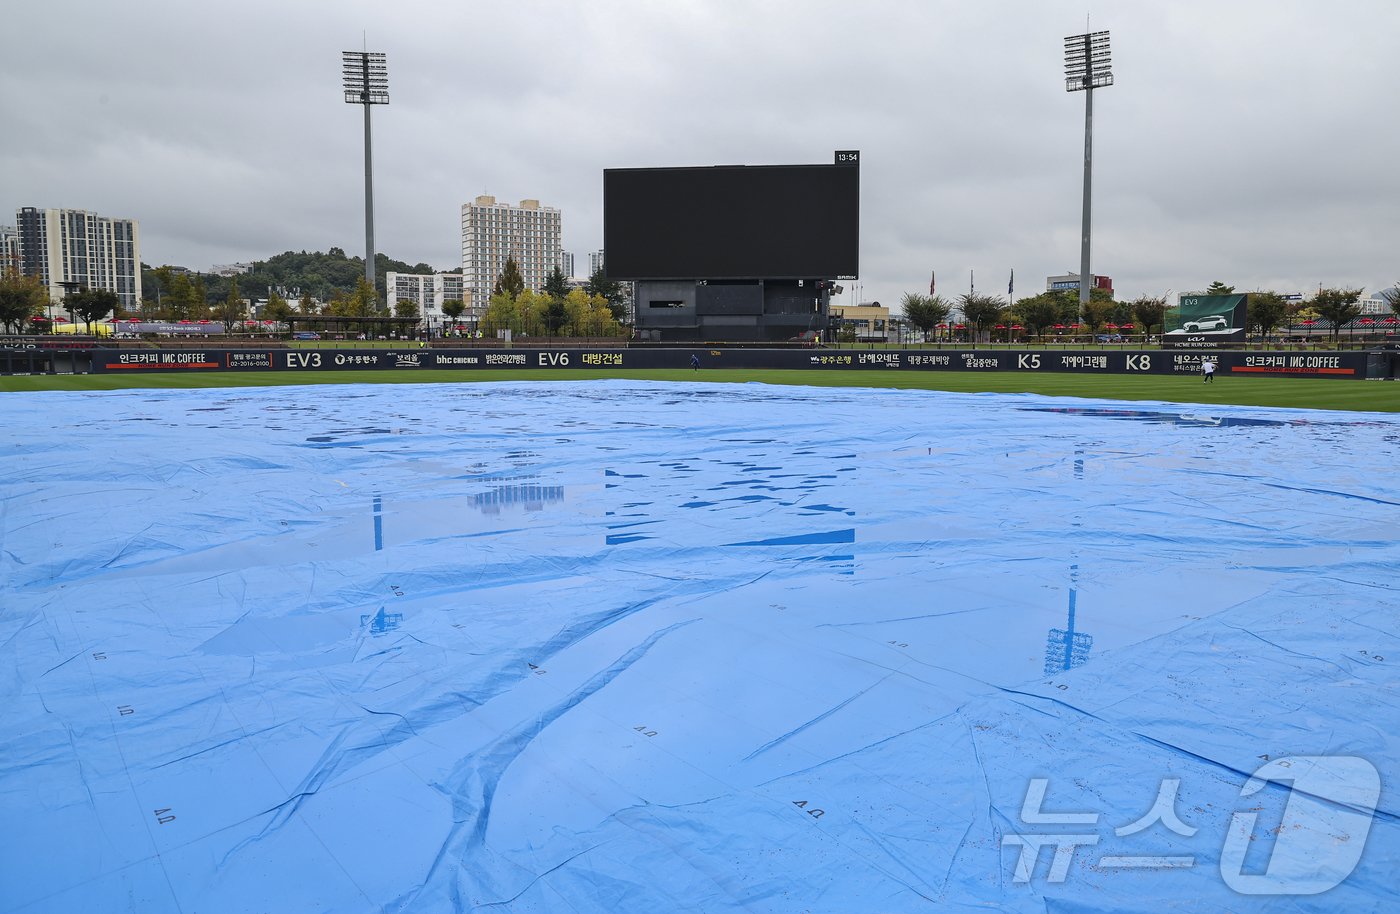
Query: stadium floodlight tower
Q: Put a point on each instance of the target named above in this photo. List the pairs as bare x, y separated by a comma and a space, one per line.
1088, 66
366, 78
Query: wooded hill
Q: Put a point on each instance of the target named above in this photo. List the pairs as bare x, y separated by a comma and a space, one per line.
295, 274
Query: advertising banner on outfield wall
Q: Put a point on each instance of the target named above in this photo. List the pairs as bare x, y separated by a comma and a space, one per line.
1327, 364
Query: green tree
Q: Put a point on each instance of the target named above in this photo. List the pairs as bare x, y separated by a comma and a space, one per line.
200, 292
453, 308
1041, 311
1338, 307
556, 285
21, 297
163, 280
231, 310
1096, 312
1219, 288
277, 309
510, 282
178, 301
925, 312
555, 316
405, 308
612, 291
1150, 312
532, 307
90, 305
1266, 311
980, 310
307, 304
501, 314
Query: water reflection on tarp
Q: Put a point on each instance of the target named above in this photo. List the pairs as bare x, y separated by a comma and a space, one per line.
1143, 415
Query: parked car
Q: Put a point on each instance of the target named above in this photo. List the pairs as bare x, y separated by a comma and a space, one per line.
1109, 338
306, 335
1214, 322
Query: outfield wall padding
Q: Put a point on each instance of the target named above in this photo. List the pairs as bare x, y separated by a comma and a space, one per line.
1275, 364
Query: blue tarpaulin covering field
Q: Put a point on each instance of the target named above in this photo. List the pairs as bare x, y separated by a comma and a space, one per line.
628, 647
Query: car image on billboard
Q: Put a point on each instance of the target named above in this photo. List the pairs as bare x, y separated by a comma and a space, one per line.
1206, 324
1219, 316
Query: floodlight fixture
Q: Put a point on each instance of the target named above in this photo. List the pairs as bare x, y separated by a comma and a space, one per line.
365, 76
1088, 62
1088, 66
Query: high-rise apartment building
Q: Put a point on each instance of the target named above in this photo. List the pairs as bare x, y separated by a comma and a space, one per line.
492, 232
72, 245
595, 262
428, 291
566, 263
9, 249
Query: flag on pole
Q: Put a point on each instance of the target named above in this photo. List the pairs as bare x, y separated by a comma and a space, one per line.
1011, 284
931, 277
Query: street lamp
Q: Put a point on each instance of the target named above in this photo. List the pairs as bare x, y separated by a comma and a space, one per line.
366, 80
1088, 66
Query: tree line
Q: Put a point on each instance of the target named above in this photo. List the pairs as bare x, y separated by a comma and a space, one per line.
596, 310
1266, 311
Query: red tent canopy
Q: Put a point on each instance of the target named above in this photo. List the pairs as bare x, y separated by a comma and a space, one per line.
38, 318
1367, 320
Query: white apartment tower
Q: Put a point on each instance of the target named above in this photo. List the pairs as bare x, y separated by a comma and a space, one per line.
492, 232
566, 264
595, 262
72, 245
9, 249
428, 291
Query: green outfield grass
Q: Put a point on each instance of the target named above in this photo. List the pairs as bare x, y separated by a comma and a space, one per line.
1304, 393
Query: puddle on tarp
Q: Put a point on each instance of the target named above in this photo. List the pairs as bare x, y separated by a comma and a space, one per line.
719, 647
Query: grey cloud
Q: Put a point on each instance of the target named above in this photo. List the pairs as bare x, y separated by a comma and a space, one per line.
1246, 141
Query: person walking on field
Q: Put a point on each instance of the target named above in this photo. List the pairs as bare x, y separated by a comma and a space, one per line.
1208, 370
694, 362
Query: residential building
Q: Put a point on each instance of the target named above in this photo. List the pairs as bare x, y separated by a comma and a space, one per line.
492, 232
74, 246
595, 262
566, 263
428, 291
9, 249
1374, 305
231, 269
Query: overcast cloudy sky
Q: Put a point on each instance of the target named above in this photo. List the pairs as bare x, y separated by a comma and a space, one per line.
1250, 142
